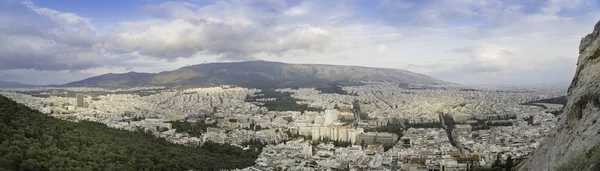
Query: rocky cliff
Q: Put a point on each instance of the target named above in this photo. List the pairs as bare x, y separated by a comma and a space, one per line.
573, 144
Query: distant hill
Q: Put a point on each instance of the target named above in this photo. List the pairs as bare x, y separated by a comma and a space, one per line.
259, 74
7, 84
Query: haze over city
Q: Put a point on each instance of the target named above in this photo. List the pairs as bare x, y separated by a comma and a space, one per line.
465, 42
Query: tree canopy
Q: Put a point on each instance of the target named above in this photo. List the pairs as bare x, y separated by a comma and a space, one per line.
30, 140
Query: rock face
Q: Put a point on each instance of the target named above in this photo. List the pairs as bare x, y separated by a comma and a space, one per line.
259, 74
578, 130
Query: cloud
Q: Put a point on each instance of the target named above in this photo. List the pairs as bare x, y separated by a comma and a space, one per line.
295, 11
184, 30
380, 49
489, 58
464, 41
45, 39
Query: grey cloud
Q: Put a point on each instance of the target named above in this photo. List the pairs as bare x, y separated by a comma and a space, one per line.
43, 39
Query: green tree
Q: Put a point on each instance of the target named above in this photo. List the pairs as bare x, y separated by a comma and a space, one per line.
508, 165
497, 162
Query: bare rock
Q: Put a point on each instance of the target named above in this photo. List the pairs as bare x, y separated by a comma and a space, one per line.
578, 129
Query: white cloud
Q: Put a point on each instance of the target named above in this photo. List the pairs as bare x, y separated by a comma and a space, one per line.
238, 36
45, 39
381, 49
295, 11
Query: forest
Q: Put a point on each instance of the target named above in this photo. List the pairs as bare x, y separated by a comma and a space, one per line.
284, 101
30, 140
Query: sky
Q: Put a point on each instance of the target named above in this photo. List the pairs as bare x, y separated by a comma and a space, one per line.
471, 42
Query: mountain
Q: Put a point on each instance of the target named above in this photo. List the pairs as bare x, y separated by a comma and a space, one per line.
259, 74
574, 143
6, 84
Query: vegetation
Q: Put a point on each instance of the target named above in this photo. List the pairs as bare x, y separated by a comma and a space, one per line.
31, 140
484, 125
292, 136
194, 129
395, 128
499, 165
93, 94
336, 143
557, 100
334, 89
449, 125
257, 146
556, 112
284, 101
424, 125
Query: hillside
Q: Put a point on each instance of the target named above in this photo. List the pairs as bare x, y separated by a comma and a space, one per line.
574, 143
7, 84
30, 140
259, 74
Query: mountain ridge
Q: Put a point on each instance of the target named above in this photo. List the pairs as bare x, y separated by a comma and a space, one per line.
259, 74
10, 84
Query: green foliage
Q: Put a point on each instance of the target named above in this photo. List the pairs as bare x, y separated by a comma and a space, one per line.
424, 125
387, 147
556, 100
487, 169
395, 128
509, 164
333, 89
194, 129
497, 163
284, 102
30, 140
485, 125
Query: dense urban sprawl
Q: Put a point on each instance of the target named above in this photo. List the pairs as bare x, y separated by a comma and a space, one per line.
377, 126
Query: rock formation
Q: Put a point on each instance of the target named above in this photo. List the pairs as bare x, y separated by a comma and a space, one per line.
571, 145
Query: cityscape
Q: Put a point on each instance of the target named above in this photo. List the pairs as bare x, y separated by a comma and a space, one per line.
300, 85
375, 126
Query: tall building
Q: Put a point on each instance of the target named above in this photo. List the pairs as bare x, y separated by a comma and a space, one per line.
80, 101
330, 116
340, 133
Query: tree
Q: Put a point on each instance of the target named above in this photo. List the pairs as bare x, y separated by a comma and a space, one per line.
497, 162
509, 163
54, 144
